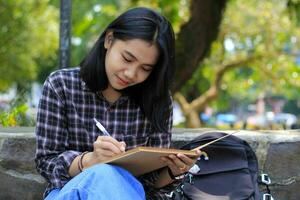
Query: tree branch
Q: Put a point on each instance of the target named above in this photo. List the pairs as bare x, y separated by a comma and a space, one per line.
184, 105
195, 38
200, 103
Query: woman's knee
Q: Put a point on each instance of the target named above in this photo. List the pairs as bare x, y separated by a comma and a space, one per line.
106, 177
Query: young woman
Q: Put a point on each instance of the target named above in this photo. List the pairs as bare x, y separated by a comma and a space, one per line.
124, 84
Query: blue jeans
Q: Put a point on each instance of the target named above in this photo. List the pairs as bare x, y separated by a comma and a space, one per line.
100, 182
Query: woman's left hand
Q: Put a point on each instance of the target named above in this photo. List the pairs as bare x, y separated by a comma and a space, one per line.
180, 163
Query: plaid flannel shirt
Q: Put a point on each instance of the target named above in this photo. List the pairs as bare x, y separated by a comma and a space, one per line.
65, 126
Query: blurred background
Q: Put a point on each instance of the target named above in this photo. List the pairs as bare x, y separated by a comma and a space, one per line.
238, 61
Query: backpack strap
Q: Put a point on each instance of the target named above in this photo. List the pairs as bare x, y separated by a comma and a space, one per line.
264, 179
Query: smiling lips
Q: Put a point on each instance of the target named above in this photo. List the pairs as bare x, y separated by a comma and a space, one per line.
122, 81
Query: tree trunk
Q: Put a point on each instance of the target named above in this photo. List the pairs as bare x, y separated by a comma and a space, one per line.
195, 38
193, 120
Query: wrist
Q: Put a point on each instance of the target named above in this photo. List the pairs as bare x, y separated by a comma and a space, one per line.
89, 160
174, 177
80, 161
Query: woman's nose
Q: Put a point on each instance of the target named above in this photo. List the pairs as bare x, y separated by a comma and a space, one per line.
130, 72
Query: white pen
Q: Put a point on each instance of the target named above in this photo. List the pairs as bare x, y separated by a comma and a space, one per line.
101, 128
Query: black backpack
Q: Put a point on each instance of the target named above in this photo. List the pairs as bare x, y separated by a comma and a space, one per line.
227, 170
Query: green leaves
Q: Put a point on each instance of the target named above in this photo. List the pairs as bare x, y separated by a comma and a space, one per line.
262, 29
29, 32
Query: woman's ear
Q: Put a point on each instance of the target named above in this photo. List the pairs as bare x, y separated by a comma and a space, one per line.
108, 39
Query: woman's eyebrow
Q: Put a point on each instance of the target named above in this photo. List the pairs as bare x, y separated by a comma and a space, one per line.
132, 56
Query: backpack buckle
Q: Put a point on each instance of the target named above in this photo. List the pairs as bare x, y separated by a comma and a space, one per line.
264, 178
203, 155
170, 195
267, 197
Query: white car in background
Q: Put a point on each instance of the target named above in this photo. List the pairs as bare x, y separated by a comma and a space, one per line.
286, 119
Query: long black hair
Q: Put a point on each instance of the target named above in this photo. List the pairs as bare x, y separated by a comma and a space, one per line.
153, 94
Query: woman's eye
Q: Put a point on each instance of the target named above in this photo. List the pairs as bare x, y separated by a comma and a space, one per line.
126, 59
147, 69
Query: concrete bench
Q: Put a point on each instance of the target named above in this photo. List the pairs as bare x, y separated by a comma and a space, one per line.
277, 151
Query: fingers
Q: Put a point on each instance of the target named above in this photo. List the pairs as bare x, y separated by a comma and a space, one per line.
186, 160
113, 141
176, 165
124, 145
106, 146
171, 164
190, 161
180, 163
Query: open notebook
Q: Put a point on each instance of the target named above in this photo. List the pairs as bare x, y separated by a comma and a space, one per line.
142, 160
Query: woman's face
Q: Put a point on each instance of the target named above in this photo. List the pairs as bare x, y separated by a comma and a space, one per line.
129, 62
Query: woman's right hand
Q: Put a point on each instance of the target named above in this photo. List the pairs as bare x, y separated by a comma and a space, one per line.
105, 147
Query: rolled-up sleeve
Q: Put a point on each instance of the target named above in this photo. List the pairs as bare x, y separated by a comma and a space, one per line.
53, 157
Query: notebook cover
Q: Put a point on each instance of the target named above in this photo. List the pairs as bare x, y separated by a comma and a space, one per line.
142, 160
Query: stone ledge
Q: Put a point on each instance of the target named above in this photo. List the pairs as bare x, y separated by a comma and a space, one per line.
277, 151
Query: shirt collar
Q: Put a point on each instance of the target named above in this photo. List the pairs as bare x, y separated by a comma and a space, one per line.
122, 99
